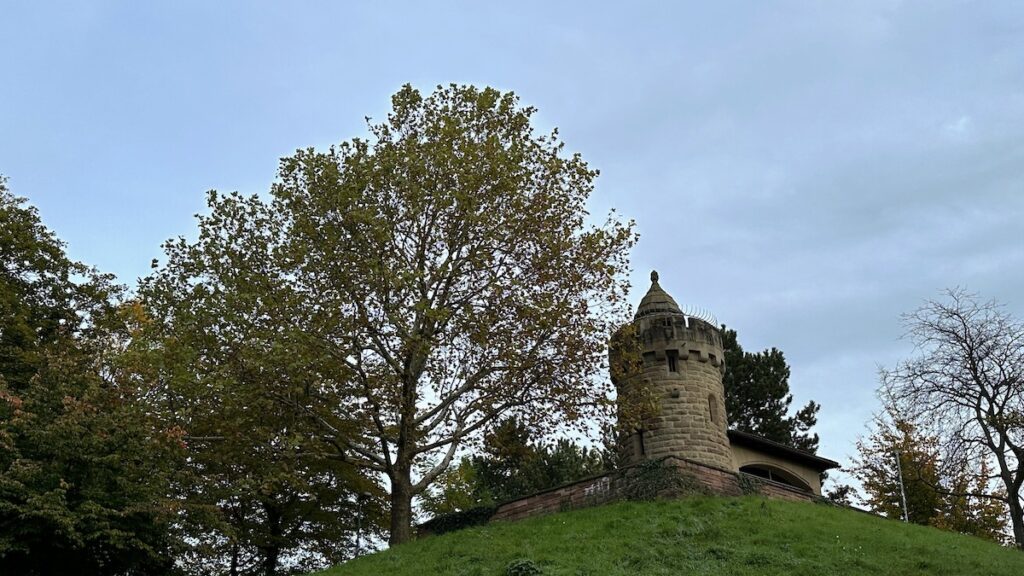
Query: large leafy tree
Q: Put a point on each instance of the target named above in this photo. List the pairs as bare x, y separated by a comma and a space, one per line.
222, 338
445, 267
451, 253
83, 471
757, 396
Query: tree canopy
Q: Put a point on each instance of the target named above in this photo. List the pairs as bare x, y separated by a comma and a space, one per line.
439, 275
934, 495
222, 338
83, 470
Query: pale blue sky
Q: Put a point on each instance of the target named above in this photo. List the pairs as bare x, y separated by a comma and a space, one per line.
806, 170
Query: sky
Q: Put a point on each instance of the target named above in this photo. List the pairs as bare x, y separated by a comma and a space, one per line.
807, 171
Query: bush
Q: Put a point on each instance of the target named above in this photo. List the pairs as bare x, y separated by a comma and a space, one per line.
523, 567
458, 520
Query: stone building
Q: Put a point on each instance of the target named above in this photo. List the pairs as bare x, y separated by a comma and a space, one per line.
682, 367
682, 363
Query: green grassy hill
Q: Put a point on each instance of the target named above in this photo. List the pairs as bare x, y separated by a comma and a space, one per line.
700, 535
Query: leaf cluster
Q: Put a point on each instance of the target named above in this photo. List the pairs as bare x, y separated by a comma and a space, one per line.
513, 463
83, 471
935, 495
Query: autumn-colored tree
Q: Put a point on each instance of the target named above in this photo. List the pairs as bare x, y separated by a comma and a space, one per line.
437, 277
446, 267
452, 253
967, 507
949, 498
83, 470
880, 474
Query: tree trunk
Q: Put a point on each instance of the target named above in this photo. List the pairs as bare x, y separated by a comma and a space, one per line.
270, 561
272, 552
1017, 520
401, 506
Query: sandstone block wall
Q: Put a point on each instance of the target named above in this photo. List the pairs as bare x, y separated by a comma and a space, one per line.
683, 367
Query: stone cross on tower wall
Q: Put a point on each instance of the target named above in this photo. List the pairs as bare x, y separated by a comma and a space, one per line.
683, 363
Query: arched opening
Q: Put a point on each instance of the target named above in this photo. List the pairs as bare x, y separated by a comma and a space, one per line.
775, 474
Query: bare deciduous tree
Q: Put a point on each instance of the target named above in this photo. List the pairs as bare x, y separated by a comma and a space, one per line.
967, 383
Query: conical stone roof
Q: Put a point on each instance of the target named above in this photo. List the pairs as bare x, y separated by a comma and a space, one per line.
657, 301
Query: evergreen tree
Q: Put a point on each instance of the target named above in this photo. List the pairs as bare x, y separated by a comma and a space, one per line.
509, 465
757, 396
512, 464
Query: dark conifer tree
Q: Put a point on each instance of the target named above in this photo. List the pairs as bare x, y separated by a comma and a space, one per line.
757, 396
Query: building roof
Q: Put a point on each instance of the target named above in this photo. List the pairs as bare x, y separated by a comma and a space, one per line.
764, 445
657, 301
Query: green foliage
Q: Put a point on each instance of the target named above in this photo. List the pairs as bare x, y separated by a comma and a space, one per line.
749, 485
458, 520
876, 469
523, 567
757, 397
511, 464
841, 495
965, 511
83, 470
636, 403
934, 496
748, 536
446, 265
457, 489
222, 335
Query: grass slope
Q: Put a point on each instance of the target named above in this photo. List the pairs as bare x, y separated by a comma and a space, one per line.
699, 535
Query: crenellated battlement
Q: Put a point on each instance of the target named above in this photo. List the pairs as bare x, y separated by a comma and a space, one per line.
690, 339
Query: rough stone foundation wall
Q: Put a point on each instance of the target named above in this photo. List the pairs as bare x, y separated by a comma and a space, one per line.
605, 489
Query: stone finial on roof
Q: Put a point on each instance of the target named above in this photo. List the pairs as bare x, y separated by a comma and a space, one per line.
657, 300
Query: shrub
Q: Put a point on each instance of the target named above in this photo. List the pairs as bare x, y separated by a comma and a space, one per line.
523, 567
458, 520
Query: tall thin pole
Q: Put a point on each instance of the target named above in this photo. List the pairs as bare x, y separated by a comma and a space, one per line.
903, 492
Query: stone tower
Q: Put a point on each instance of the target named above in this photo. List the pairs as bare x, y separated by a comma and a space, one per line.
682, 369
